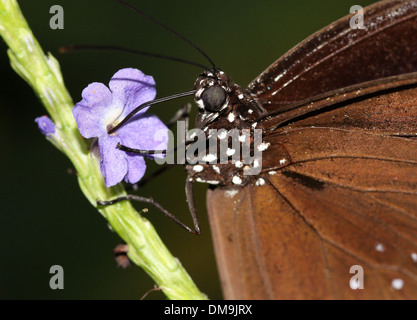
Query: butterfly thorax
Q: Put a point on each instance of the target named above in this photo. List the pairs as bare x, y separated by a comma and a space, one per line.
226, 113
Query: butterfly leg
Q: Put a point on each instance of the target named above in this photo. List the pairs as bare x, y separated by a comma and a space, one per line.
182, 114
150, 177
189, 193
156, 205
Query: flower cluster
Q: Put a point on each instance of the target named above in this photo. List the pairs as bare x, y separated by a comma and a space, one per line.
104, 107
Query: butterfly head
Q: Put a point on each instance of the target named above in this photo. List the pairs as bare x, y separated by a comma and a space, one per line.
212, 88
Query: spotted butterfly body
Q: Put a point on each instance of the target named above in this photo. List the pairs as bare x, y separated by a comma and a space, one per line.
238, 111
338, 185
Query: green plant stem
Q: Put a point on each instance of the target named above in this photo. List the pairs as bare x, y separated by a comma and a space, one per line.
42, 73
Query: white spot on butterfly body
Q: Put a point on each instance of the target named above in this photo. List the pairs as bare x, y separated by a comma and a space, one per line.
238, 164
250, 111
272, 172
260, 182
397, 284
414, 256
263, 146
240, 96
231, 193
231, 117
222, 134
380, 247
254, 124
208, 181
216, 168
200, 104
237, 180
282, 161
230, 152
198, 93
209, 158
198, 168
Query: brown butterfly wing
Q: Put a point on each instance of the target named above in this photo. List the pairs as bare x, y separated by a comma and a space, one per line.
345, 195
338, 56
343, 156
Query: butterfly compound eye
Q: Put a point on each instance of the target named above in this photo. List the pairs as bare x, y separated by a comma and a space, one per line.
214, 98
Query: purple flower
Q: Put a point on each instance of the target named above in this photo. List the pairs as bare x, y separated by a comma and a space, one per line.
102, 108
46, 126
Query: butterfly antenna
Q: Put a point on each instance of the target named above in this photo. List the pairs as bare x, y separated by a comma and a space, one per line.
169, 29
128, 50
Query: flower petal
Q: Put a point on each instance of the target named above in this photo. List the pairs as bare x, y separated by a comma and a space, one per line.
96, 110
145, 132
46, 126
113, 162
136, 167
132, 88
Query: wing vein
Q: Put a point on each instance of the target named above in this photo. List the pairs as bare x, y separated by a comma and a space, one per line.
258, 247
317, 63
345, 250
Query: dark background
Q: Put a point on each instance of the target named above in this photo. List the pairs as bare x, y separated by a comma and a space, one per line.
44, 218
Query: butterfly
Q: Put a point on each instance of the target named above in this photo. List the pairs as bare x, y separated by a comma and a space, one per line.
338, 186
332, 213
